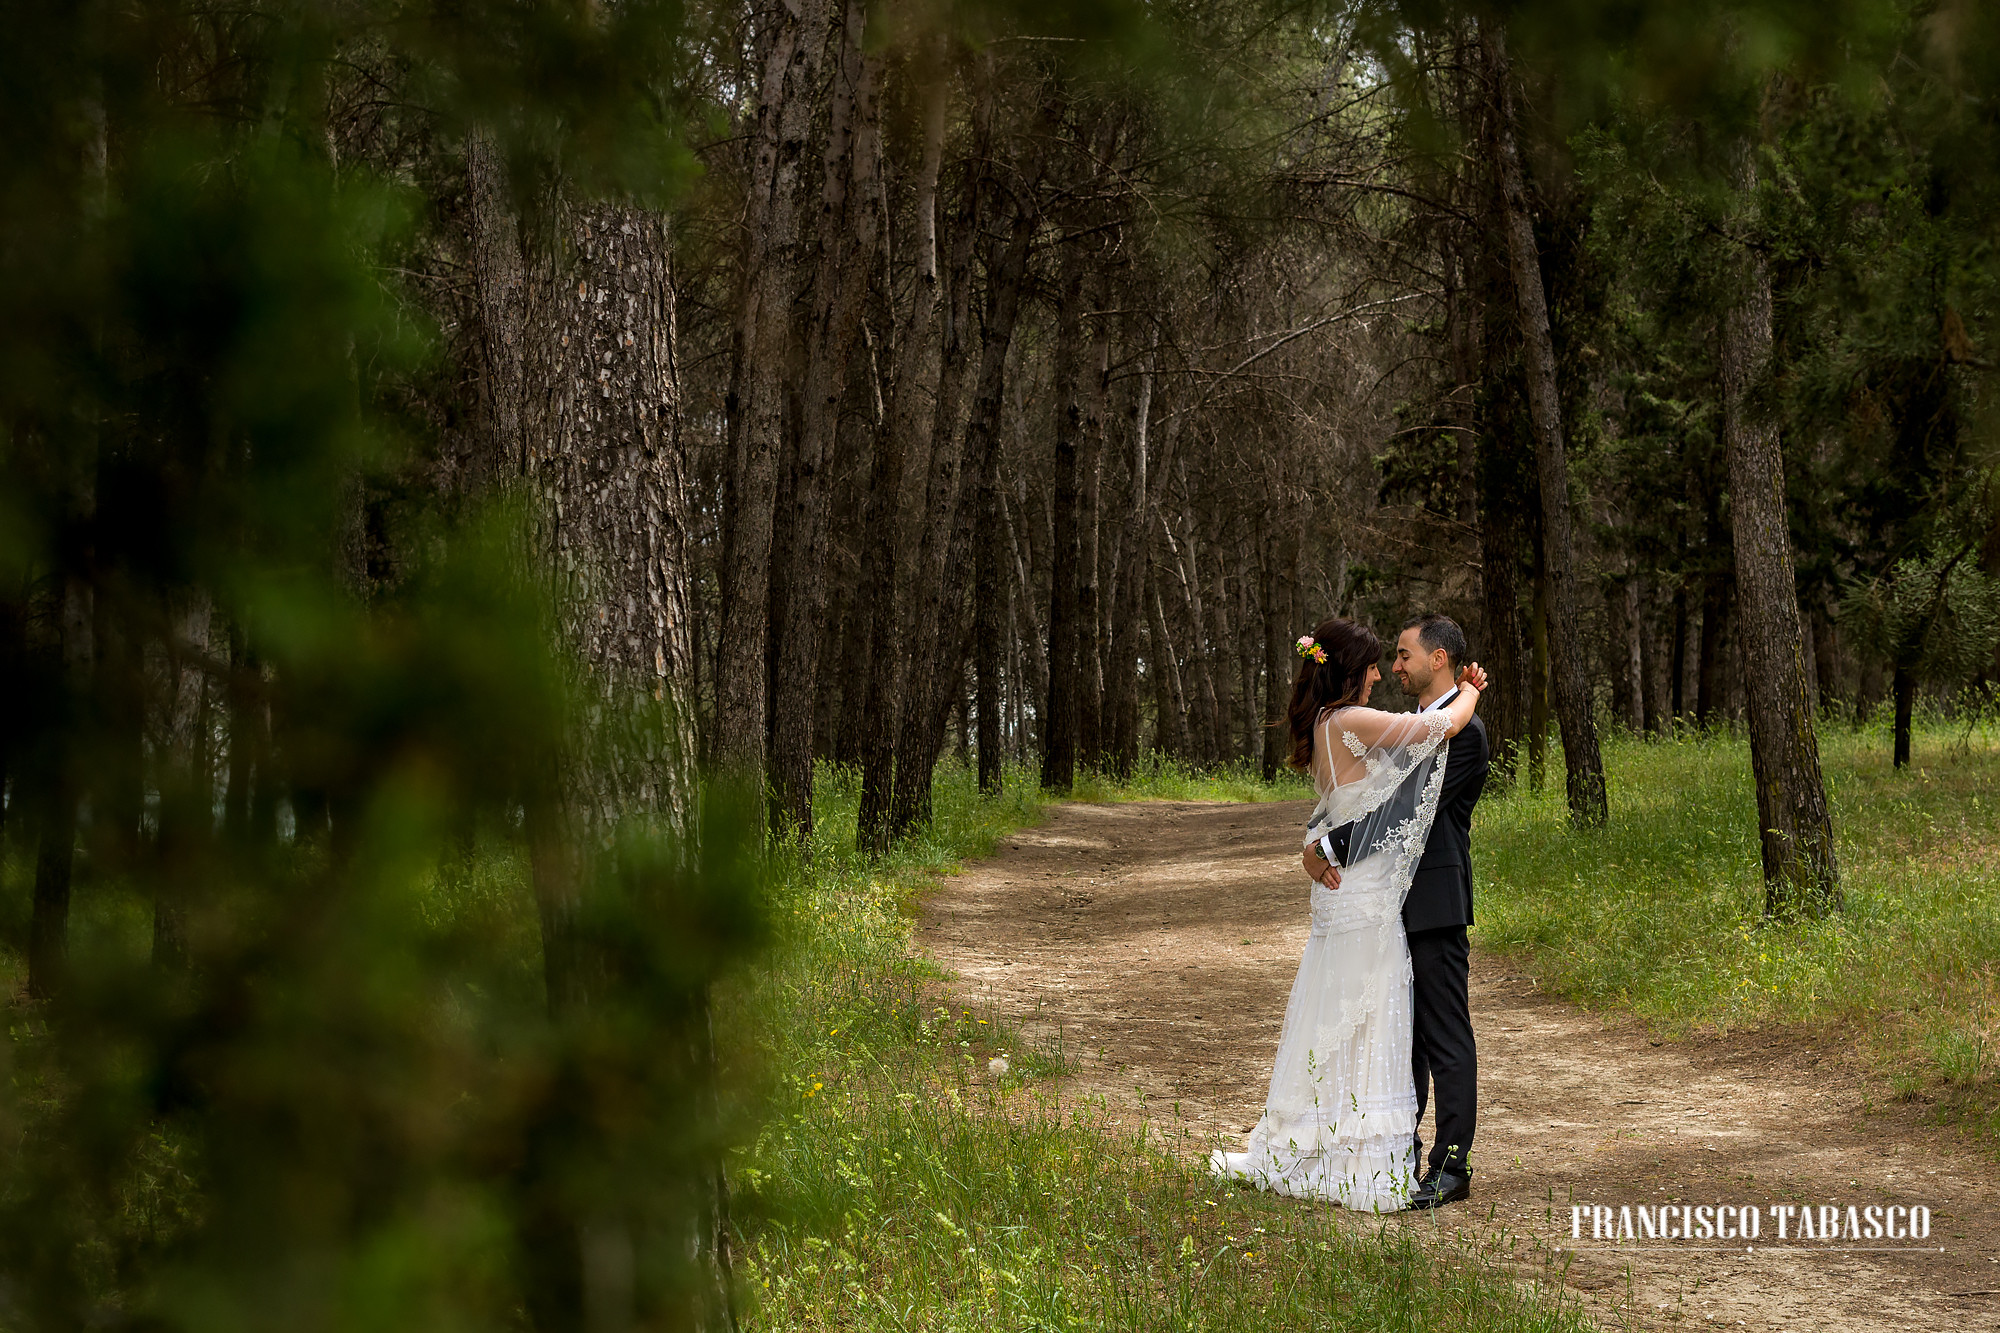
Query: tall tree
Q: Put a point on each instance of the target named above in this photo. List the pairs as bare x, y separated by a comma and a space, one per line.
1060, 716
849, 229
882, 574
791, 49
1583, 761
1801, 874
1121, 699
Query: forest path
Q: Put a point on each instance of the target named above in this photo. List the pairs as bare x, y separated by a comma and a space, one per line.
1158, 943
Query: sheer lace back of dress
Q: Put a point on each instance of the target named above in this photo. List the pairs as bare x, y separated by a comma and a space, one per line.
1382, 773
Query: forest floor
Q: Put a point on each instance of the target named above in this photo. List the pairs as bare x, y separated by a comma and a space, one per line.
1154, 944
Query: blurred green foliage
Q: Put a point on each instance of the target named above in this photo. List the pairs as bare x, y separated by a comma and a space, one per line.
296, 1066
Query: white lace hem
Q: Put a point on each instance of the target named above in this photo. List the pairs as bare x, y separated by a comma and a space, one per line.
1368, 1175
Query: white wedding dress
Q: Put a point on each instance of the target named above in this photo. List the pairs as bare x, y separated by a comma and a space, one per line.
1340, 1119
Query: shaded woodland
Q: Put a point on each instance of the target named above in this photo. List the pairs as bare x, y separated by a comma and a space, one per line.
435, 439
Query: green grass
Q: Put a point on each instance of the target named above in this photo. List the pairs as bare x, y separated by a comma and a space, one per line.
1661, 913
899, 1184
1159, 779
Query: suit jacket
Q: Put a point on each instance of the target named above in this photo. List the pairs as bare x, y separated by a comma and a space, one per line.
1441, 890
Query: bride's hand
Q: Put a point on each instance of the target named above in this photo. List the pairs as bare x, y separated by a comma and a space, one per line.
1475, 677
1319, 870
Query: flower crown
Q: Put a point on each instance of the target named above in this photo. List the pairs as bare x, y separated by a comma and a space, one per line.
1308, 648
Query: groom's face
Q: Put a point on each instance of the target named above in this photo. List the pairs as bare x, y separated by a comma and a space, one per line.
1416, 666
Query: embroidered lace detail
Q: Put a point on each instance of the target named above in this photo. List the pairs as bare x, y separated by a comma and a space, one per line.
1410, 836
1354, 745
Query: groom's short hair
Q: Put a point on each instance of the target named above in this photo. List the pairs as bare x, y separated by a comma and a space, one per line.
1435, 631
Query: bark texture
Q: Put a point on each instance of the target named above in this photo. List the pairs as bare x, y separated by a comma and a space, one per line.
936, 665
882, 571
848, 227
774, 261
1801, 875
612, 478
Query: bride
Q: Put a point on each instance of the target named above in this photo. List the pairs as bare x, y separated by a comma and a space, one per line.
1340, 1120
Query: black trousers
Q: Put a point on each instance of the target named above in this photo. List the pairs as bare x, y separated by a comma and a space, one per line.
1442, 1054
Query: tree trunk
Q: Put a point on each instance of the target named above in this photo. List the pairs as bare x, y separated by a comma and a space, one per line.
908, 796
118, 780
1280, 556
1905, 686
989, 628
882, 573
608, 472
48, 923
1583, 761
1094, 397
920, 739
1812, 664
1827, 658
1628, 687
1121, 704
1635, 659
13, 690
237, 699
849, 229
1679, 655
1497, 475
1222, 647
610, 476
1800, 870
1500, 597
1708, 652
845, 685
187, 796
1024, 629
1659, 689
772, 263
1170, 725
1060, 720
1503, 538
500, 295
1538, 686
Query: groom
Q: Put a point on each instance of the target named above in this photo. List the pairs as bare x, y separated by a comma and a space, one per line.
1430, 654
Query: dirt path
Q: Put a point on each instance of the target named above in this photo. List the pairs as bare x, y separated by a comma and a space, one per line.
1158, 943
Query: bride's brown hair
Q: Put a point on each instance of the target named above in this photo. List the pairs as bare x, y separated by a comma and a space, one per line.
1351, 648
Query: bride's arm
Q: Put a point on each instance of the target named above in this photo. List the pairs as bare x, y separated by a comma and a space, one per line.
1373, 727
1460, 709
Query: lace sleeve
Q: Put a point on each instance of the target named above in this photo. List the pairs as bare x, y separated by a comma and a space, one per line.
1372, 742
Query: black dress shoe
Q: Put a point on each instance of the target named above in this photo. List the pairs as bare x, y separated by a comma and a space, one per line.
1443, 1185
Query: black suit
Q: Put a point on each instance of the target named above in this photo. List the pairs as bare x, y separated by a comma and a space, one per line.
1435, 915
1441, 892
